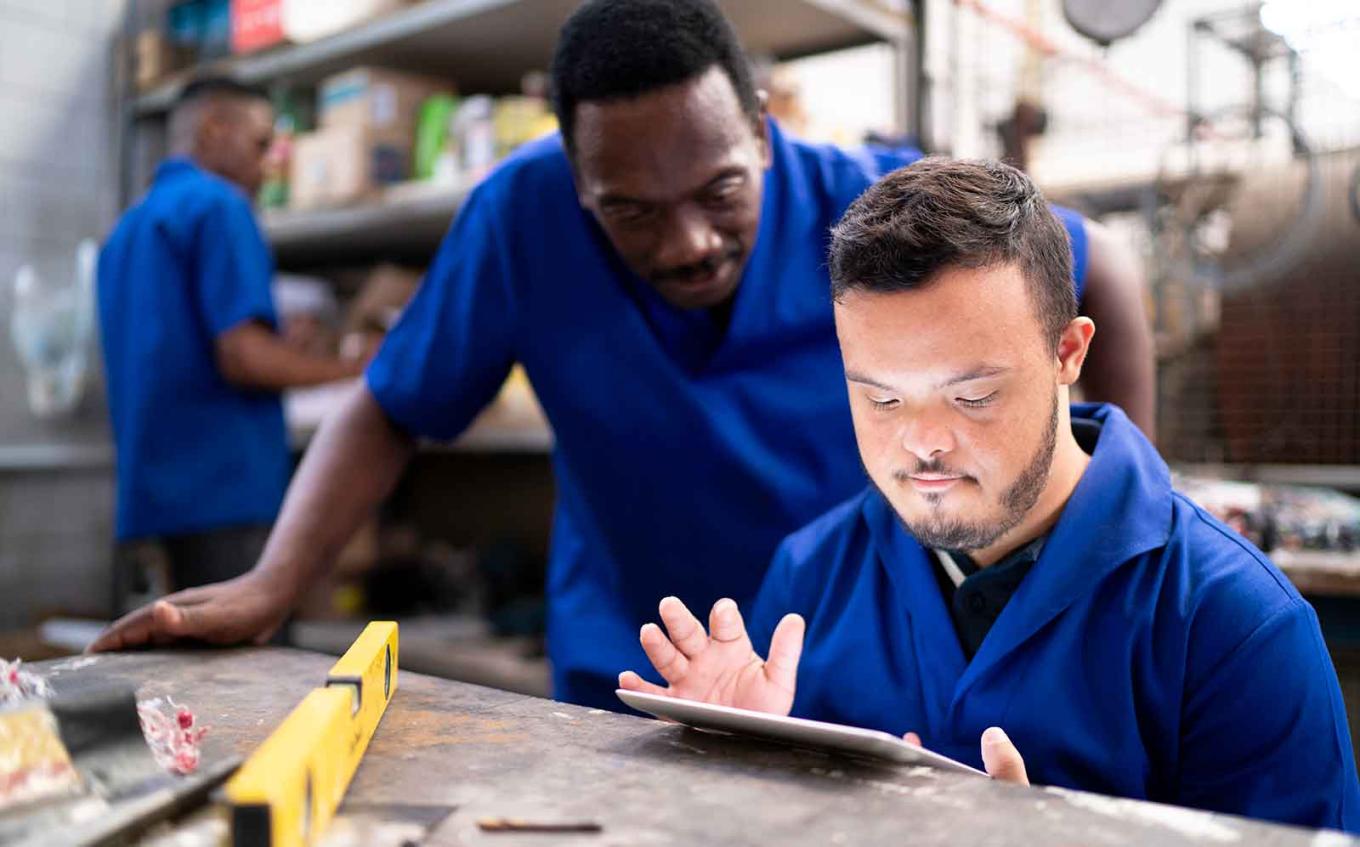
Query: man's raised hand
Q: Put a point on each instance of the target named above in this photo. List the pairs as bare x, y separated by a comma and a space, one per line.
720, 666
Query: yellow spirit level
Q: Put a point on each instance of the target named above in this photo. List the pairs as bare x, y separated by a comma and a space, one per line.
288, 790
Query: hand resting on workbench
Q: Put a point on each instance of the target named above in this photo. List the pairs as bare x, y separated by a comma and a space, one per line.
246, 609
721, 666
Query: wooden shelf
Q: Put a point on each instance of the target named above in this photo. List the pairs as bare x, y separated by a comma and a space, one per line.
1345, 477
405, 224
23, 458
1320, 573
503, 427
488, 45
484, 46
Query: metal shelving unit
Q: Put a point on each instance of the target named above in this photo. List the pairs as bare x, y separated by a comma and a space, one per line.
487, 45
483, 46
402, 224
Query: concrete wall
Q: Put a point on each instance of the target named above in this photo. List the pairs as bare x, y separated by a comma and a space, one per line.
58, 185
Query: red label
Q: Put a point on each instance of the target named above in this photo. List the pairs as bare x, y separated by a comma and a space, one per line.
256, 24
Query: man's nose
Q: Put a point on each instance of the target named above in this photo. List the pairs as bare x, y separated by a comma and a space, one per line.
926, 436
688, 239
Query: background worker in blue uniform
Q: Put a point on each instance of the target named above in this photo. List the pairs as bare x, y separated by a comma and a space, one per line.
659, 270
1018, 572
194, 366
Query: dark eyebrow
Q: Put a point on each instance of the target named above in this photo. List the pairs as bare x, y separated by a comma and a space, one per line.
854, 377
611, 199
619, 199
977, 373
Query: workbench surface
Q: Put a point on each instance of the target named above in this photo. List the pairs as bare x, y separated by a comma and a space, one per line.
481, 753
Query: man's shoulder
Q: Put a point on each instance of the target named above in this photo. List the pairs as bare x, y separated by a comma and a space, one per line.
191, 196
538, 169
850, 168
811, 561
830, 536
1216, 554
1228, 587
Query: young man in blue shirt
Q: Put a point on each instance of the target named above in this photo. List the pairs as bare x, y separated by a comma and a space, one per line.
193, 362
659, 270
1019, 571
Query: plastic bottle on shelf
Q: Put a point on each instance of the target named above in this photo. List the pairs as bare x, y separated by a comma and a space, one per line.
475, 132
51, 327
433, 133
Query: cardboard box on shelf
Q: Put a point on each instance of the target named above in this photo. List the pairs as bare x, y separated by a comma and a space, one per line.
256, 25
519, 120
157, 58
376, 99
340, 165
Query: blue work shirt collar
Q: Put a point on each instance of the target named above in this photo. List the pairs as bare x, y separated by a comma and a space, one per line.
176, 165
1120, 508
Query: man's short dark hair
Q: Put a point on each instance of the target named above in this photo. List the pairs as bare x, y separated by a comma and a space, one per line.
618, 49
208, 87
940, 213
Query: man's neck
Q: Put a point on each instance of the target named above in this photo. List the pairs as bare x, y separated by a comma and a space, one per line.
1069, 463
722, 313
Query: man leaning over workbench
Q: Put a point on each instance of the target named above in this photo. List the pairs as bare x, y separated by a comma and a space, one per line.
659, 270
1019, 571
194, 365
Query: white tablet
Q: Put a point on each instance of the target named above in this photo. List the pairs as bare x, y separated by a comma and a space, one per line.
795, 731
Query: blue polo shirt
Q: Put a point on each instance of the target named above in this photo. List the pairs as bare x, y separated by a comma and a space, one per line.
683, 453
1151, 652
184, 265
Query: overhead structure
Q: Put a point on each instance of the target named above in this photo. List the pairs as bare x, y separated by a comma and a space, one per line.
1107, 21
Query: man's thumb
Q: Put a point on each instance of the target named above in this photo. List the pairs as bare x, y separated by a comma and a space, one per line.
1001, 759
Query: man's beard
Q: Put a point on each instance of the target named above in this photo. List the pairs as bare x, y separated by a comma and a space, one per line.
1018, 499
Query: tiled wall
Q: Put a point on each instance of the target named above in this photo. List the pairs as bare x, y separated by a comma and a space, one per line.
58, 184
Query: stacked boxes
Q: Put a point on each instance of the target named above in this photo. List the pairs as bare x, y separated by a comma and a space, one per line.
367, 120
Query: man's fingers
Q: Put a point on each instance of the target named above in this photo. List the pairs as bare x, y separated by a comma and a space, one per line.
686, 633
786, 647
109, 639
131, 630
1001, 759
667, 660
265, 635
192, 596
106, 641
630, 681
913, 739
725, 623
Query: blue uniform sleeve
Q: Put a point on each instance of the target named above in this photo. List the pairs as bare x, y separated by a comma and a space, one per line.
888, 159
1076, 233
452, 348
234, 268
1264, 734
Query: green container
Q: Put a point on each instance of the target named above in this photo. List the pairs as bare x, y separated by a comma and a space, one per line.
432, 132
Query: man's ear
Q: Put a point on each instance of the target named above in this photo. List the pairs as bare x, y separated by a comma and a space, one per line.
211, 127
762, 127
576, 178
1073, 345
